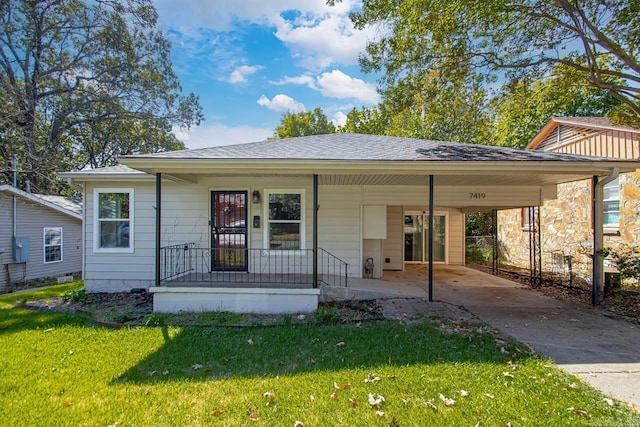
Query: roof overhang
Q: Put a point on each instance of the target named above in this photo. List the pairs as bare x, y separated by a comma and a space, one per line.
367, 172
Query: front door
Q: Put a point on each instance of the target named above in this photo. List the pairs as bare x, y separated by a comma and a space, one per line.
229, 230
416, 237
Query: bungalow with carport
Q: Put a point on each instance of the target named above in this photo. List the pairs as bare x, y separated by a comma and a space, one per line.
266, 226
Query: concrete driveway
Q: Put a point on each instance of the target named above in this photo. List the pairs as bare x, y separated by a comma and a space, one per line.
580, 339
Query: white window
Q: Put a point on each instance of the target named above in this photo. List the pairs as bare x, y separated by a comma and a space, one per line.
611, 204
52, 244
113, 229
284, 229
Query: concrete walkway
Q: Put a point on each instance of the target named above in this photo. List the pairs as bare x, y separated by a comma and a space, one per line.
580, 339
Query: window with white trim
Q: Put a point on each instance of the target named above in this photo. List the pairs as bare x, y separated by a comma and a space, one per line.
113, 220
285, 219
52, 244
611, 204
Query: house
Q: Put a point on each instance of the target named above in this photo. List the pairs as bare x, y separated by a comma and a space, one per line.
564, 226
40, 236
268, 226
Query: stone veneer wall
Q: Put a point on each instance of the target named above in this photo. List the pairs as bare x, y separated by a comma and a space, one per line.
566, 226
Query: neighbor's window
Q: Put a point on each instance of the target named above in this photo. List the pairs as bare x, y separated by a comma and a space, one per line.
285, 224
52, 244
114, 220
611, 204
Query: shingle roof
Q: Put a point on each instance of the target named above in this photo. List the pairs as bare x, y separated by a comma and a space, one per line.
68, 203
359, 147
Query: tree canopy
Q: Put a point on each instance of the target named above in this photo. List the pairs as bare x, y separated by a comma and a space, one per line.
83, 82
505, 40
303, 124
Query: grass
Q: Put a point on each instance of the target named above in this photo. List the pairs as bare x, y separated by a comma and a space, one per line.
59, 369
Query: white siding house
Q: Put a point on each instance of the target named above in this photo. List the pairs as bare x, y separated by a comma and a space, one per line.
293, 216
40, 236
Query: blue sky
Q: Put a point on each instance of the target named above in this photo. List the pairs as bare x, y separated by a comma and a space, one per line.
250, 61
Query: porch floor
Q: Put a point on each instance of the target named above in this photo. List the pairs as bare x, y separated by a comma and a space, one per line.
412, 282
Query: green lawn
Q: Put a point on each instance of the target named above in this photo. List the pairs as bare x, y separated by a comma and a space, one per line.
58, 369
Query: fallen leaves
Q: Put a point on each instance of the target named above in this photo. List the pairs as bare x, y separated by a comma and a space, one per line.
372, 378
446, 400
579, 412
197, 366
376, 399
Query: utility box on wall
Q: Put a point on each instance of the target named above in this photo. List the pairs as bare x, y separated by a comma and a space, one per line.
21, 249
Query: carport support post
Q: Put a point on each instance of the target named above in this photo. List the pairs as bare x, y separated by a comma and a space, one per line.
597, 189
158, 216
315, 230
430, 238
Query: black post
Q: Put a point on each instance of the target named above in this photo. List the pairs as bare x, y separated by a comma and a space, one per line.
315, 231
430, 237
494, 243
158, 217
595, 214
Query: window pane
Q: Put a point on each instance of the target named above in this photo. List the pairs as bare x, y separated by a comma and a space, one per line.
52, 253
114, 234
611, 191
52, 236
284, 236
611, 213
284, 207
113, 205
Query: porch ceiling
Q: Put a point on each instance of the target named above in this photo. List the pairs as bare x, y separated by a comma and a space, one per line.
450, 180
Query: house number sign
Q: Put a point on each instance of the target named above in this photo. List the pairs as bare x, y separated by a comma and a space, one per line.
477, 195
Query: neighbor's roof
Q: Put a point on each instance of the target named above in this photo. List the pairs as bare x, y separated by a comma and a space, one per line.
586, 123
65, 205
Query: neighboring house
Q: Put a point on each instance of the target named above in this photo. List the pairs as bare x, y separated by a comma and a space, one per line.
40, 236
267, 226
566, 223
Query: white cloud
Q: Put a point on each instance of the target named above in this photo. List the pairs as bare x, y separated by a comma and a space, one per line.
327, 40
217, 134
316, 34
282, 103
304, 80
336, 84
339, 118
240, 74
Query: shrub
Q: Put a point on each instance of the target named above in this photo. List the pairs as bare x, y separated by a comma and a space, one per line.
79, 295
627, 260
327, 315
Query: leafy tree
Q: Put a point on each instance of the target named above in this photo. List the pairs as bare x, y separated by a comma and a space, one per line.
303, 124
370, 121
506, 39
75, 72
523, 107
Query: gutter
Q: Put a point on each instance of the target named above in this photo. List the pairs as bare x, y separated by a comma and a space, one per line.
598, 240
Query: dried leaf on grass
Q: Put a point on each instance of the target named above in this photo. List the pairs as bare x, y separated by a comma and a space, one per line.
375, 399
446, 400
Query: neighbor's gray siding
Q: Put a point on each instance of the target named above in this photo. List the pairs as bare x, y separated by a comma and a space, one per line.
32, 218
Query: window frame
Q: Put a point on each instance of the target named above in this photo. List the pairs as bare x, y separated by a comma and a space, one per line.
97, 221
616, 183
301, 222
45, 246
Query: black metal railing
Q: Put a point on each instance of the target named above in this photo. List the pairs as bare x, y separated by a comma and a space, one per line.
186, 264
332, 270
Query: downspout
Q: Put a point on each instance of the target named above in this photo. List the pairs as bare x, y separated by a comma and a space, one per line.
158, 218
430, 238
315, 231
598, 184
